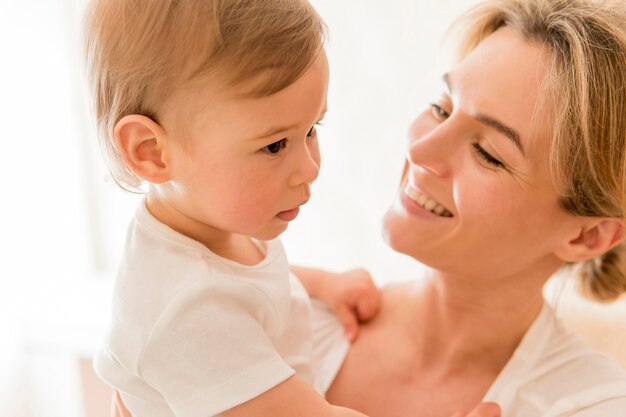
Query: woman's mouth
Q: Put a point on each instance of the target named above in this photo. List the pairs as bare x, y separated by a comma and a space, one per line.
426, 202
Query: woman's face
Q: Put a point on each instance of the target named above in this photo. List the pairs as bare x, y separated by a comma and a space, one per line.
476, 196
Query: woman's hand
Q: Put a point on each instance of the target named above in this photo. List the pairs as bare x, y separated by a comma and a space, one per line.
352, 295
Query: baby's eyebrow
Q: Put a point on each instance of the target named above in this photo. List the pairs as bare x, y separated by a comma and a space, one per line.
274, 130
492, 122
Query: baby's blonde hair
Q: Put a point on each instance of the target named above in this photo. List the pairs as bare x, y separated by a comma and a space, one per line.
139, 52
587, 86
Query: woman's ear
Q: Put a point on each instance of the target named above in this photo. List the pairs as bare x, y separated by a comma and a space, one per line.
142, 141
596, 236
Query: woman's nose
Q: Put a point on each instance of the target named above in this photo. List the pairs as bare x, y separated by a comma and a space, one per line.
430, 150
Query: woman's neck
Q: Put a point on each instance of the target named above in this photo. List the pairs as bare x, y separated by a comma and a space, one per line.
460, 323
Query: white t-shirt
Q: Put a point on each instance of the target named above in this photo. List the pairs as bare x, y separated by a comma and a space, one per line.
553, 373
194, 334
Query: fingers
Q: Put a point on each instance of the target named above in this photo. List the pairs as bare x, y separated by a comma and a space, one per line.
369, 298
349, 320
368, 304
354, 298
485, 410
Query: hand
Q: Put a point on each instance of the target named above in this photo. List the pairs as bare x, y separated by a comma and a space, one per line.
353, 297
482, 410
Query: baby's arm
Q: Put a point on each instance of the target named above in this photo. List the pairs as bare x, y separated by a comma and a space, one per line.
292, 397
352, 295
295, 398
482, 410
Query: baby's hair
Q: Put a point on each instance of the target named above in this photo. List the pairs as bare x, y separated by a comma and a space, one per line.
586, 87
139, 52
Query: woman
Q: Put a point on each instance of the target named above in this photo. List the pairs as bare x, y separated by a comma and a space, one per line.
517, 170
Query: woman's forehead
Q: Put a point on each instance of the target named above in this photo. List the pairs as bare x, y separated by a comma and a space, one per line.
503, 79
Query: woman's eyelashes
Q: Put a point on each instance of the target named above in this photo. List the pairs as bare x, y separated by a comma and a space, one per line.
440, 113
279, 145
486, 156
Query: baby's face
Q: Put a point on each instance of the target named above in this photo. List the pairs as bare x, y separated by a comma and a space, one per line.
245, 165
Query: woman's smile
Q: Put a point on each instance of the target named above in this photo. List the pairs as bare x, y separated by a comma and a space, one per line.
425, 202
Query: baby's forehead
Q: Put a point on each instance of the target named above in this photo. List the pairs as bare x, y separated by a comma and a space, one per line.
237, 113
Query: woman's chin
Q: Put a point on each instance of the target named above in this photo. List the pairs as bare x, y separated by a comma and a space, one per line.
399, 238
411, 242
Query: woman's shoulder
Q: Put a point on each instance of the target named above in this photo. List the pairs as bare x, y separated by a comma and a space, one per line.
554, 372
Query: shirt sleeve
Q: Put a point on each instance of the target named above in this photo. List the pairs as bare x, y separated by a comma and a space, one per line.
209, 351
330, 345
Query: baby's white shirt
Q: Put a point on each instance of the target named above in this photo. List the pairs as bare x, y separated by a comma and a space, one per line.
194, 334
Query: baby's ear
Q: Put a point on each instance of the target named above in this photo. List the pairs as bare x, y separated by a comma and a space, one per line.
141, 141
596, 236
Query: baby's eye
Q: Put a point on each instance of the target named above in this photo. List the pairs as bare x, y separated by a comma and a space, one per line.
275, 147
312, 131
439, 112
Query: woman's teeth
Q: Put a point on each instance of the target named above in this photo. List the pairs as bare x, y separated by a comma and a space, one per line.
426, 202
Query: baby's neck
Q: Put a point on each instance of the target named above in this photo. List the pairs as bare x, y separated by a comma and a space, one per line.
240, 249
235, 247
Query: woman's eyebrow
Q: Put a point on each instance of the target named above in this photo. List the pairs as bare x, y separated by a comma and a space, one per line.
492, 122
507, 131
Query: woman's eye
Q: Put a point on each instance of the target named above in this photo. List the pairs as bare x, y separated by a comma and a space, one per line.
439, 111
482, 153
275, 147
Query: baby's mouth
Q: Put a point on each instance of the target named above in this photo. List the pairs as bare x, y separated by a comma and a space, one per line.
426, 202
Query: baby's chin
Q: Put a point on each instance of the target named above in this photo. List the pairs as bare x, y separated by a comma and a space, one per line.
269, 233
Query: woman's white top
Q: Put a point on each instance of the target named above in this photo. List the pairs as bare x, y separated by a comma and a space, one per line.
554, 373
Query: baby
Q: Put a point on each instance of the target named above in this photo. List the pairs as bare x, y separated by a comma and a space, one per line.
214, 105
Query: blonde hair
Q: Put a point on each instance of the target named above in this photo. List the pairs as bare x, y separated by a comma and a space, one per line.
587, 82
139, 52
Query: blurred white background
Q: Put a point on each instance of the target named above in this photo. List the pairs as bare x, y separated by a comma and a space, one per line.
63, 221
